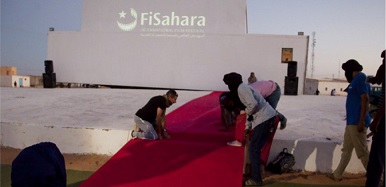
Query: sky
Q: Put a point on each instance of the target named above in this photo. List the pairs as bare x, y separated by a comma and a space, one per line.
344, 29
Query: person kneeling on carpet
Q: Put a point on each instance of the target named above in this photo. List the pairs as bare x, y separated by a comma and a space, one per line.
230, 106
150, 119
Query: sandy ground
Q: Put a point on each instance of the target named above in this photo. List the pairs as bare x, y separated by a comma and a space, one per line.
73, 161
94, 162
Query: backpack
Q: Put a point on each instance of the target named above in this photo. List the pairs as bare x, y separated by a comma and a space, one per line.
39, 165
282, 163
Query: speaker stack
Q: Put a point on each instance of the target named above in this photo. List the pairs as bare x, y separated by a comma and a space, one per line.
49, 77
291, 80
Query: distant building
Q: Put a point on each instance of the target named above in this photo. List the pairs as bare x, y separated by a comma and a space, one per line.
325, 86
310, 86
8, 70
36, 81
9, 78
15, 81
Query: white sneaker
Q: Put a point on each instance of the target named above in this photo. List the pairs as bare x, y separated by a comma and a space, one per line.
235, 143
251, 182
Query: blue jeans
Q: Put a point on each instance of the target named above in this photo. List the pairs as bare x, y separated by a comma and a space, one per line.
376, 164
273, 100
259, 136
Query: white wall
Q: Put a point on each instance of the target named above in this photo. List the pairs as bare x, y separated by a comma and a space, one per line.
171, 62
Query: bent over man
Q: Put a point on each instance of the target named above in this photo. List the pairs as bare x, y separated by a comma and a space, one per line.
261, 118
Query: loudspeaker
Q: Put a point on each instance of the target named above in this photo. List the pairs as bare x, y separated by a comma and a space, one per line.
49, 66
291, 85
49, 80
292, 68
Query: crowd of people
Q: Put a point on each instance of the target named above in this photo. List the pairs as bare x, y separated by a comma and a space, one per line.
257, 101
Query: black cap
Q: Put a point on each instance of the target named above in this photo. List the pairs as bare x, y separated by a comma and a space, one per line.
352, 65
233, 80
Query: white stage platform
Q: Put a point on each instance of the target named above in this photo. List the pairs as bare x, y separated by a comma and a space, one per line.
97, 121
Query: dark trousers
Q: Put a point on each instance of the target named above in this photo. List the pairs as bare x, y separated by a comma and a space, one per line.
259, 136
376, 164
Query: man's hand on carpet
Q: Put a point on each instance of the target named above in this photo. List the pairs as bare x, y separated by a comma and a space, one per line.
160, 136
166, 135
247, 132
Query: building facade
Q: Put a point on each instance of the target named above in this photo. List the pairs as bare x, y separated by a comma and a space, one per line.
8, 70
178, 44
326, 86
15, 81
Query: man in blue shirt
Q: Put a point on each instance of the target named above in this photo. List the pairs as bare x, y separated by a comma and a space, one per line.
357, 117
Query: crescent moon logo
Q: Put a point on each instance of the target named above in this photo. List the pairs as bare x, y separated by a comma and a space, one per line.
128, 26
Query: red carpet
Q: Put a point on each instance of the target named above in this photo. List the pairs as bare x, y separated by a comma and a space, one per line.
197, 154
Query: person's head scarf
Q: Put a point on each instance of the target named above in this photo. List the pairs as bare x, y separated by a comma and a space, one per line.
233, 80
349, 67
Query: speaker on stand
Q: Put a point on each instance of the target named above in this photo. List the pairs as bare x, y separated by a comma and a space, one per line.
49, 77
291, 80
291, 85
292, 68
49, 66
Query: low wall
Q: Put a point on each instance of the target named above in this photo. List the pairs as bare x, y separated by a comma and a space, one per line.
310, 155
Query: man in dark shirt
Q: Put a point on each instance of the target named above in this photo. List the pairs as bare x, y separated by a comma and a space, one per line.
150, 119
376, 164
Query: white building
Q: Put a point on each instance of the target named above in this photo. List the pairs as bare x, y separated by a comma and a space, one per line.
325, 86
179, 44
9, 78
15, 81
